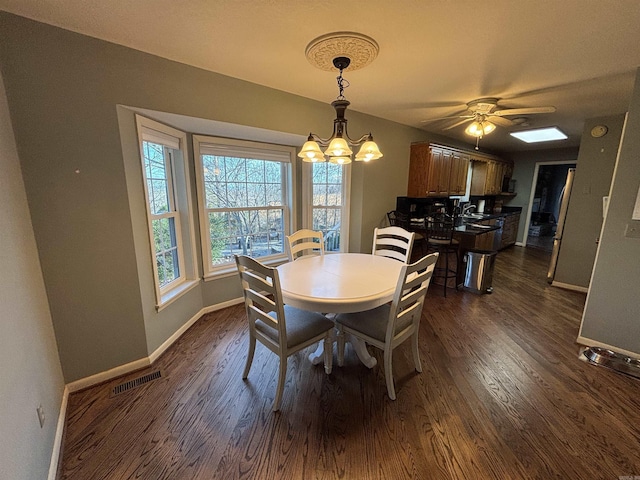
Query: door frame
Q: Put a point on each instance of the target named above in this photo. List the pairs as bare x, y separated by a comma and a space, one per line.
534, 182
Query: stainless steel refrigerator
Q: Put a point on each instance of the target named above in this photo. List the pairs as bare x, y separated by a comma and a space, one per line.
562, 215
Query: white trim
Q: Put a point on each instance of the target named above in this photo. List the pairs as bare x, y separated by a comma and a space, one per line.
175, 293
170, 137
107, 375
520, 244
207, 145
118, 371
534, 181
568, 286
178, 333
57, 440
595, 343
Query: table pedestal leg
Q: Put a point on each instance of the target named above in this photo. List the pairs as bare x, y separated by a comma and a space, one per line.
359, 346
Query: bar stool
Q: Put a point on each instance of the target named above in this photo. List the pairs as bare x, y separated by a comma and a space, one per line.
439, 230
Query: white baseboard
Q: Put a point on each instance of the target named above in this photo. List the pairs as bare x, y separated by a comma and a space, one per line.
117, 372
57, 441
108, 375
588, 342
568, 286
521, 244
147, 361
173, 338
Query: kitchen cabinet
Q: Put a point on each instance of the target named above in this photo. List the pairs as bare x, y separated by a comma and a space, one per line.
487, 176
459, 172
510, 230
437, 171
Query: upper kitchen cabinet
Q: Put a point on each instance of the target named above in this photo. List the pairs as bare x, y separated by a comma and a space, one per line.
488, 175
437, 171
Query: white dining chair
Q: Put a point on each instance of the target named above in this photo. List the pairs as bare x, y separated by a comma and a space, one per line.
389, 325
281, 328
393, 242
304, 242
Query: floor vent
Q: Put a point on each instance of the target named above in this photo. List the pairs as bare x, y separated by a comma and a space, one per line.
136, 382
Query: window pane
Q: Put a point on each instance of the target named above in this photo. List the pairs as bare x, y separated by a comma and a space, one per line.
256, 195
236, 195
247, 232
235, 169
319, 194
166, 248
328, 221
255, 171
334, 195
334, 173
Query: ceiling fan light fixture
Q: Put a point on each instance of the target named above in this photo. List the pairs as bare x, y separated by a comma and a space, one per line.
479, 128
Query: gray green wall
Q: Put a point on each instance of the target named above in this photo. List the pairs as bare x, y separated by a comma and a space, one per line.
31, 371
592, 181
611, 314
63, 90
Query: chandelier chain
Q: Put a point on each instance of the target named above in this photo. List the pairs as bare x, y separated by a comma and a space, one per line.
342, 84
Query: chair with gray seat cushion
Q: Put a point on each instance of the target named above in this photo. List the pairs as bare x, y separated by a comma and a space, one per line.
389, 325
281, 328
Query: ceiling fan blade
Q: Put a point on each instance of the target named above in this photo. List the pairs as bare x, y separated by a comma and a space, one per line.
457, 123
524, 111
447, 118
503, 122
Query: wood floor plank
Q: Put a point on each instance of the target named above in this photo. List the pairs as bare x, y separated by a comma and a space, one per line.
502, 395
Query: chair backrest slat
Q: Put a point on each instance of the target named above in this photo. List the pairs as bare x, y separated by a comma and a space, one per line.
304, 242
261, 289
393, 242
408, 298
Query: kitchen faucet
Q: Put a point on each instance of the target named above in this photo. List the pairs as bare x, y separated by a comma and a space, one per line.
467, 208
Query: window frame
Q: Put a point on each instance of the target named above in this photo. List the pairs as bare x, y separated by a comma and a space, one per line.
174, 144
307, 202
257, 150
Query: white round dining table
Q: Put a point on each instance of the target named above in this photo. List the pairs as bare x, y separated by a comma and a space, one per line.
340, 283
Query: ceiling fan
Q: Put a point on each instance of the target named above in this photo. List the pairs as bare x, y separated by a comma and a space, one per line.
484, 114
486, 109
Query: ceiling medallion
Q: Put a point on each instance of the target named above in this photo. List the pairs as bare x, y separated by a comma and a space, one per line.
358, 48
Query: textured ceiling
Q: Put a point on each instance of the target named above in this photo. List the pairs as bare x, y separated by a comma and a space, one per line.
435, 55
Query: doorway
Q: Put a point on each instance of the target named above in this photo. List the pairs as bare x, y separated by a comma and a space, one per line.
544, 205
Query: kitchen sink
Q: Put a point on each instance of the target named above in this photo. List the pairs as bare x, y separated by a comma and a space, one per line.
473, 215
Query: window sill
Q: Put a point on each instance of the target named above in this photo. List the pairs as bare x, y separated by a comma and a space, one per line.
231, 269
175, 293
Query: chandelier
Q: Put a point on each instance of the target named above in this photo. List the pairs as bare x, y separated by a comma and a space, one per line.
342, 47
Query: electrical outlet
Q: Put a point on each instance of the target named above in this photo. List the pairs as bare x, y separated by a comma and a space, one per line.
40, 411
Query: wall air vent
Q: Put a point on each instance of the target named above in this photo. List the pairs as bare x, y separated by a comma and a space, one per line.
136, 382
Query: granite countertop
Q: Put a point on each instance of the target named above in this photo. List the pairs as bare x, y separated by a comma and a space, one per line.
470, 228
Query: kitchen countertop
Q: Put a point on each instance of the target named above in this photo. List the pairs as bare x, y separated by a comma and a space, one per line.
470, 229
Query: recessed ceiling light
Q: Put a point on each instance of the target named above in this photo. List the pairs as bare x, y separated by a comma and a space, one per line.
539, 135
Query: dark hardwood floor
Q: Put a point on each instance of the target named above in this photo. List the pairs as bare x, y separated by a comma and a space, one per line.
502, 395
